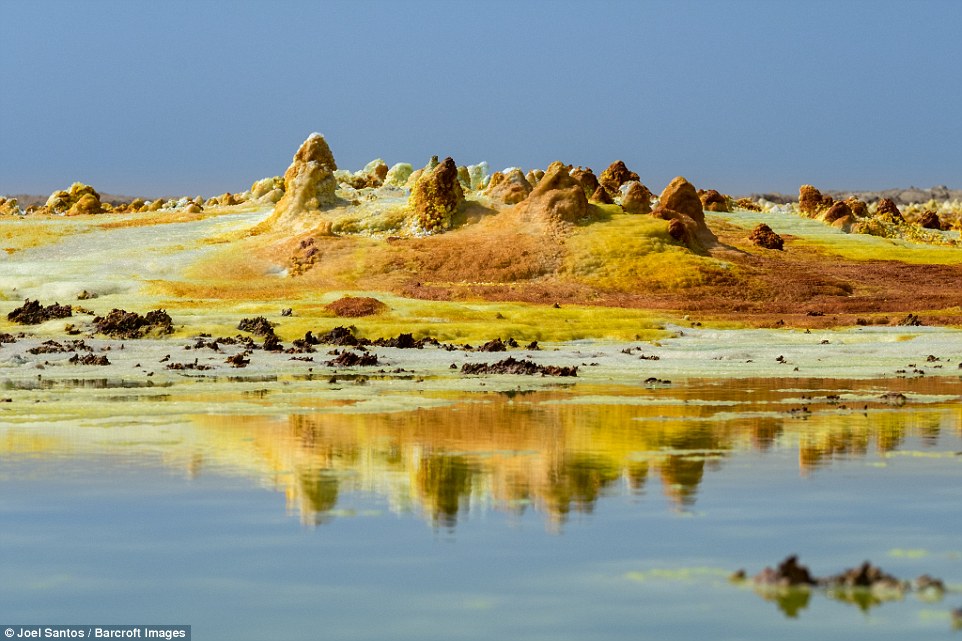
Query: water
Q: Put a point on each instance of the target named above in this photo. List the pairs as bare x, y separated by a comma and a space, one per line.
584, 511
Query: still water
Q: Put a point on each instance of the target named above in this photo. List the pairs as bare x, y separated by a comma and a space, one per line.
581, 511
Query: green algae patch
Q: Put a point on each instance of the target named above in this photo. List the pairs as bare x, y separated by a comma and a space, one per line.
624, 252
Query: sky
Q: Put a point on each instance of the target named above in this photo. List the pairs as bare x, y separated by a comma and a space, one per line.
184, 98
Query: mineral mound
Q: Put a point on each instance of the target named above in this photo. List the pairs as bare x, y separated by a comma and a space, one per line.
616, 175
309, 181
763, 236
436, 196
557, 198
680, 205
510, 187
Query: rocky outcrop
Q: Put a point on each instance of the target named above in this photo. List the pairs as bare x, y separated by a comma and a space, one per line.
859, 209
510, 187
589, 182
80, 199
811, 201
712, 200
763, 236
888, 210
837, 211
436, 196
601, 196
309, 181
636, 198
267, 190
534, 176
398, 174
929, 220
747, 204
9, 206
616, 175
557, 198
679, 202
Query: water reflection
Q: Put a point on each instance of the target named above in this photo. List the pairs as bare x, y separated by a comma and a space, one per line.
557, 451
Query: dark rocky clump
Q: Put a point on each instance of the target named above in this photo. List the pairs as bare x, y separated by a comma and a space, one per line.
406, 341
33, 313
7, 338
790, 573
524, 367
496, 345
195, 366
238, 360
120, 323
55, 347
340, 335
88, 359
911, 320
259, 326
348, 358
763, 236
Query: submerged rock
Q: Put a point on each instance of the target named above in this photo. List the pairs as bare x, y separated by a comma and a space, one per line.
436, 196
309, 181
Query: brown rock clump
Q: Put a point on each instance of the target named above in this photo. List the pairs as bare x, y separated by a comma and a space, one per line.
763, 236
9, 206
858, 207
836, 212
557, 198
589, 182
356, 306
602, 196
510, 187
636, 199
811, 201
930, 220
888, 210
436, 196
309, 181
616, 175
747, 204
712, 200
679, 202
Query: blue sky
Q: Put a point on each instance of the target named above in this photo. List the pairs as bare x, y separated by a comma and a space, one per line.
202, 97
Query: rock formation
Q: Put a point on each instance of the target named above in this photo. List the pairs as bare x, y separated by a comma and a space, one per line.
811, 201
636, 198
534, 177
398, 174
836, 212
601, 196
888, 210
589, 182
9, 206
309, 181
712, 200
436, 196
927, 219
859, 209
557, 198
510, 187
763, 236
679, 202
616, 175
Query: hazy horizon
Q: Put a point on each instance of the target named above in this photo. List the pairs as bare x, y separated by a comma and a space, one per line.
184, 98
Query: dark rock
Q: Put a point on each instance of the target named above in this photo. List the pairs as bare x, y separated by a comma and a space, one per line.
258, 326
33, 313
120, 323
763, 236
511, 365
348, 358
